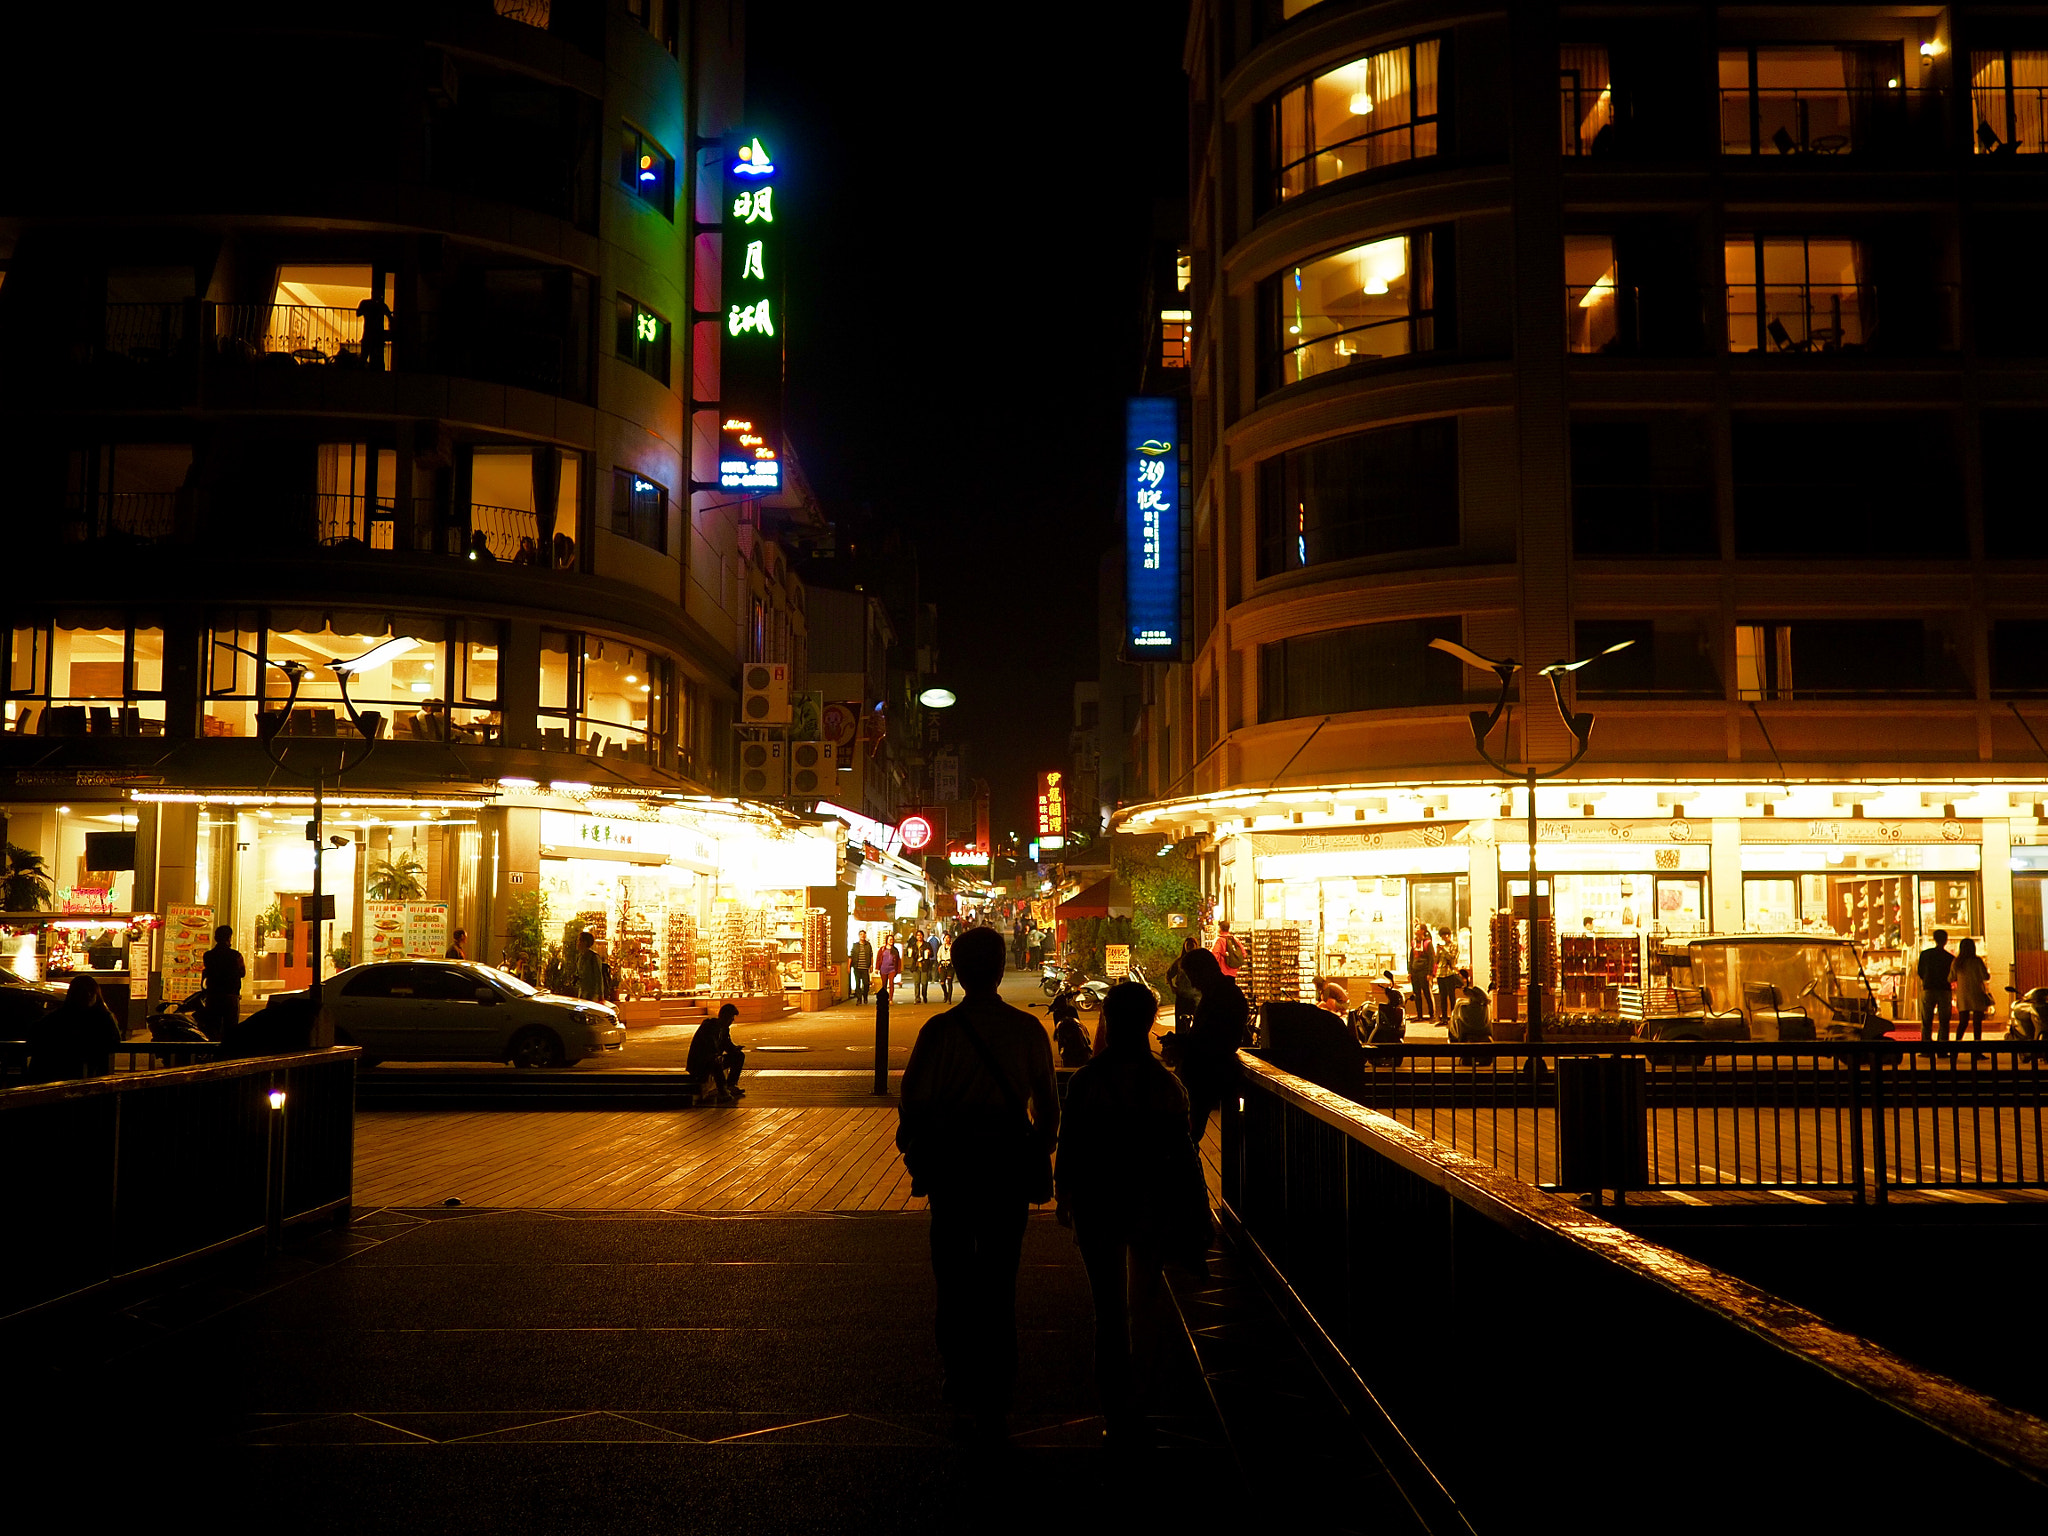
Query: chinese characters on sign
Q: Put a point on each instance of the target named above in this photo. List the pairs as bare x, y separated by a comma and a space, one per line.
750, 368
1152, 529
1052, 807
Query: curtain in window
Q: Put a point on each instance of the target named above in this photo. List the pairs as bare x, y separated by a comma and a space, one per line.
1586, 97
1875, 105
2029, 91
1869, 315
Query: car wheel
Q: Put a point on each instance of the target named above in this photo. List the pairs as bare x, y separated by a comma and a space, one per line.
536, 1047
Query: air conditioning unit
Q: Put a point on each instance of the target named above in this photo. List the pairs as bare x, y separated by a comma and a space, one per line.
813, 767
764, 693
764, 768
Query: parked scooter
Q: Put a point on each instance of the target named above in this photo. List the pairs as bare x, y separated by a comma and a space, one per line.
1054, 979
179, 1022
1388, 1024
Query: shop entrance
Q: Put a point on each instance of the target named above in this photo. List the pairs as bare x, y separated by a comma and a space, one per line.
2029, 940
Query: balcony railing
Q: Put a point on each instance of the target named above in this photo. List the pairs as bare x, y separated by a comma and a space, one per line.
509, 534
354, 521
285, 336
1583, 116
1828, 121
128, 517
2011, 120
1600, 317
1812, 318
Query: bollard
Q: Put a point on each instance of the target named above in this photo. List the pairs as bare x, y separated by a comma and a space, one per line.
882, 1042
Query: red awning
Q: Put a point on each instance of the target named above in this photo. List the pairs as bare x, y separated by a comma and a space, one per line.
1105, 898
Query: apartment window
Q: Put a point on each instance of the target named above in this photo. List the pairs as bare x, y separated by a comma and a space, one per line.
640, 509
1372, 112
602, 697
1363, 666
1586, 101
130, 493
1813, 99
1846, 658
355, 495
1642, 489
80, 677
2015, 487
647, 171
1793, 293
1878, 486
1598, 313
524, 501
2019, 657
643, 338
1176, 337
1373, 301
1371, 493
2009, 100
660, 18
1666, 658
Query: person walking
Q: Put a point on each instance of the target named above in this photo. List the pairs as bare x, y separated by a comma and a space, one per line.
1449, 981
458, 945
1422, 971
74, 1039
945, 968
1208, 1051
1185, 997
1972, 980
1936, 995
1130, 1183
1230, 956
888, 966
589, 976
714, 1056
927, 964
861, 958
221, 971
978, 1118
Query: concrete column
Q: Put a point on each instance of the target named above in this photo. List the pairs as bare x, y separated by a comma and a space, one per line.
177, 850
1486, 900
1997, 918
511, 871
1725, 867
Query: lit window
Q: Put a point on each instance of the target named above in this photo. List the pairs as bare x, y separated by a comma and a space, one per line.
1357, 306
1813, 99
603, 697
1586, 104
1793, 294
1176, 337
2009, 99
640, 508
647, 171
1371, 112
75, 680
643, 338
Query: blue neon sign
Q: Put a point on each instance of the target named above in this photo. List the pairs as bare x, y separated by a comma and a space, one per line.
1152, 524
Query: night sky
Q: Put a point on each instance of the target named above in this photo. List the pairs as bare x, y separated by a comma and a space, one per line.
970, 217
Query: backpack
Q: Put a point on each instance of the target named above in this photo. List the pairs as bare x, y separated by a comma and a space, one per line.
1233, 952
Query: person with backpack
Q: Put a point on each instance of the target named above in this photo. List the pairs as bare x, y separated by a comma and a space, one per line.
978, 1117
1230, 955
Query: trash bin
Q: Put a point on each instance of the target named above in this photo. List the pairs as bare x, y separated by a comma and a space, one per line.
1603, 1139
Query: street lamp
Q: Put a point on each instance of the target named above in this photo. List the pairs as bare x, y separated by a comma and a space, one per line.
367, 727
1580, 725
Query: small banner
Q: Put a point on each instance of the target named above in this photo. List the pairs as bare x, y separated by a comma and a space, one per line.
1116, 961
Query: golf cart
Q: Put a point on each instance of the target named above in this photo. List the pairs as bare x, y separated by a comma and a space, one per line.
1763, 986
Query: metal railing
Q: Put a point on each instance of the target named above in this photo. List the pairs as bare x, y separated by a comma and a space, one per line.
1860, 1119
134, 517
2011, 120
1827, 121
1600, 317
1582, 115
510, 534
1814, 318
121, 1176
303, 333
344, 519
1481, 1329
145, 333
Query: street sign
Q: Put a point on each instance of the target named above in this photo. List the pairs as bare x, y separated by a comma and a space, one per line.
1152, 529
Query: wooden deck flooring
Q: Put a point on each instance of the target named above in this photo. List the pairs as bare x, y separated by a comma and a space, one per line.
760, 1160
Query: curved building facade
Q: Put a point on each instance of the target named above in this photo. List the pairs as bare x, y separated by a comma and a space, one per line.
326, 338
1702, 332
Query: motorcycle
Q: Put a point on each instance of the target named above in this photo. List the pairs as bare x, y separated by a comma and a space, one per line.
1073, 1042
1387, 1025
179, 1022
1054, 980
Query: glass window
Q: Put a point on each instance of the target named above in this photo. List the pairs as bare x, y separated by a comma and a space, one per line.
2009, 99
1373, 301
1666, 658
1827, 485
1846, 658
1811, 99
646, 168
319, 313
1371, 493
1364, 666
127, 492
1371, 112
1592, 303
1586, 105
85, 678
355, 494
642, 338
1797, 294
640, 509
2015, 490
1642, 488
603, 697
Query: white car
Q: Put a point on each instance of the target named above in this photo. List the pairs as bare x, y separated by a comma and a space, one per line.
457, 1010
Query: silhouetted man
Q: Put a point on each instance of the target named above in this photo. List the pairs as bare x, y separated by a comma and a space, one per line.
221, 970
1937, 992
982, 1158
714, 1056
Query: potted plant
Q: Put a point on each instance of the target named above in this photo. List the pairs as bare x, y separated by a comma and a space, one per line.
26, 886
526, 934
396, 877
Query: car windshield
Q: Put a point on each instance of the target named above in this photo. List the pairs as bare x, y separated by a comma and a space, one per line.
510, 982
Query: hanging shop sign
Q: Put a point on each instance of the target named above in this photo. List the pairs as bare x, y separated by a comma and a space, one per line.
1052, 805
750, 365
874, 909
923, 829
1152, 529
565, 835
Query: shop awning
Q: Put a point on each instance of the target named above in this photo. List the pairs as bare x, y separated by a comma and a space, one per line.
1105, 898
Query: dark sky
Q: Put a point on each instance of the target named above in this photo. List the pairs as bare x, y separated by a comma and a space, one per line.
970, 214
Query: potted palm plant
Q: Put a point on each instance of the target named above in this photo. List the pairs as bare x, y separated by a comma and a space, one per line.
26, 885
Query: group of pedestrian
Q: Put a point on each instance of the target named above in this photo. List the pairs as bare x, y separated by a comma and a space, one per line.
1953, 988
980, 1120
923, 957
1434, 976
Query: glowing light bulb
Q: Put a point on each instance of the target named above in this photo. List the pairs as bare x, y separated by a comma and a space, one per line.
1361, 103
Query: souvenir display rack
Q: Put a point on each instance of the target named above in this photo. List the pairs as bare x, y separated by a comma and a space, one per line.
1273, 968
634, 959
817, 945
1592, 967
1871, 910
729, 952
679, 955
1509, 940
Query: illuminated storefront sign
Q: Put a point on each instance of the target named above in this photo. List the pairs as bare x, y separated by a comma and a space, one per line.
1152, 529
923, 828
1052, 805
750, 367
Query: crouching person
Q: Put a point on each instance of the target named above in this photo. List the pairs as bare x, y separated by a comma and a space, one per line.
713, 1056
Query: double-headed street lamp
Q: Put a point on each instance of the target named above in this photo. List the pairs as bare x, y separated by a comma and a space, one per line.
1579, 723
367, 727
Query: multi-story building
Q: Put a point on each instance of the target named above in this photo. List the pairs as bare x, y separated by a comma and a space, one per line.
326, 338
1712, 330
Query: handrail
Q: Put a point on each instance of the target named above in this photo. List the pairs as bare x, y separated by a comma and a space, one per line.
130, 1082
2013, 1438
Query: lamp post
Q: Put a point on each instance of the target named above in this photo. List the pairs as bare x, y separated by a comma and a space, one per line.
367, 728
1483, 721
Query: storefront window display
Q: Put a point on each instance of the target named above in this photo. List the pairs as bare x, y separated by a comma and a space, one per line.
1357, 926
603, 697
441, 687
86, 675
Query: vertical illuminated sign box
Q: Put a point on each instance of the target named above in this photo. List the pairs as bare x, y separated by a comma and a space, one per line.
750, 368
1152, 529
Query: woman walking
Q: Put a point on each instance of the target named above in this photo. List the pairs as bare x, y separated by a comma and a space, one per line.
1130, 1183
888, 966
1208, 1050
1972, 980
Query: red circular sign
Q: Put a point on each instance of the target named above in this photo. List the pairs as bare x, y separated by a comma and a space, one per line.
917, 833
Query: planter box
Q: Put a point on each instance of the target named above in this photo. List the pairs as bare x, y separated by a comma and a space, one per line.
640, 1013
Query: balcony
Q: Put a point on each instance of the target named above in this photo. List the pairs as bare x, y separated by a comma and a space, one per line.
130, 517
1825, 122
1606, 319
1814, 318
226, 341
